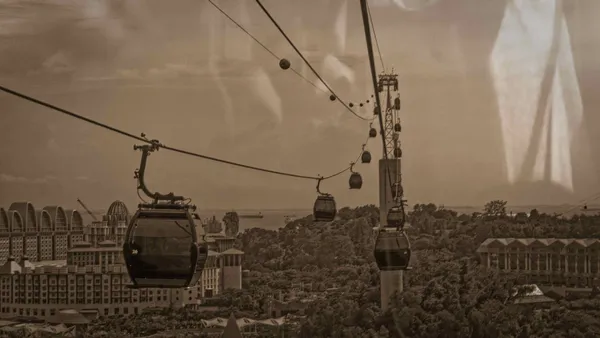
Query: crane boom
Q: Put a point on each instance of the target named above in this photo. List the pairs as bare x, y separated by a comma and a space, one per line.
86, 209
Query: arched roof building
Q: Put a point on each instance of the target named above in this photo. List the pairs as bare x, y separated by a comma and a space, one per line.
27, 213
4, 221
16, 221
41, 235
59, 217
75, 220
44, 220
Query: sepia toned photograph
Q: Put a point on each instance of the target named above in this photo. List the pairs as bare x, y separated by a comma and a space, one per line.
300, 168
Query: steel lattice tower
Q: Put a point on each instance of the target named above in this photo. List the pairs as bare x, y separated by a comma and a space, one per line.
388, 83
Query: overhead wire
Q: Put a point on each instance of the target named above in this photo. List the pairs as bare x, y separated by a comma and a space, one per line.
264, 9
584, 201
263, 45
375, 36
173, 149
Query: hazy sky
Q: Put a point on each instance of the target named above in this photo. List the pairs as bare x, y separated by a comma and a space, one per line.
470, 75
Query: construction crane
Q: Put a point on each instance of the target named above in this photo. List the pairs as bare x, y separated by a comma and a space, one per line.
86, 209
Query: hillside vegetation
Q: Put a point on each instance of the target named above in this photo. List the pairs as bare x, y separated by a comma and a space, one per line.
447, 294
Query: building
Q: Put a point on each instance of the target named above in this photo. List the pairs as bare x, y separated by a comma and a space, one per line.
246, 327
229, 260
571, 263
90, 277
112, 227
40, 235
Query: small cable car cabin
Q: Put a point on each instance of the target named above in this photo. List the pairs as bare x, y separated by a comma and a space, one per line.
396, 217
324, 209
365, 157
372, 133
162, 249
392, 250
355, 181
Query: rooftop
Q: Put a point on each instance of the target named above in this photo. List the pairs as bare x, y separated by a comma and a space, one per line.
539, 242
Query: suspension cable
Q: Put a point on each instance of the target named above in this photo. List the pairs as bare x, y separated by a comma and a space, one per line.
263, 45
308, 63
375, 37
177, 150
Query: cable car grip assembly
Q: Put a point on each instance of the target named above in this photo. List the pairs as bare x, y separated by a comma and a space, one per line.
170, 200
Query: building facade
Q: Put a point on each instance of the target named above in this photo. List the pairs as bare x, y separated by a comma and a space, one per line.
88, 274
39, 235
573, 263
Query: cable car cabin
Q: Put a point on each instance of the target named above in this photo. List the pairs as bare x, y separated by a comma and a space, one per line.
396, 218
392, 250
397, 190
397, 127
372, 133
325, 209
365, 157
355, 181
397, 152
162, 249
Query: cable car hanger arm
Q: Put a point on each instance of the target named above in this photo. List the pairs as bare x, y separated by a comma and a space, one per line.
140, 173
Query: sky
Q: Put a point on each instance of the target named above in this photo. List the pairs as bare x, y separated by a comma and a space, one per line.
485, 115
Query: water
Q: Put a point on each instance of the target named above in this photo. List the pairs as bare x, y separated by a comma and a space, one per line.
272, 220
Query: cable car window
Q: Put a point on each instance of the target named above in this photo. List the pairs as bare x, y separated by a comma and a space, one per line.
163, 246
325, 204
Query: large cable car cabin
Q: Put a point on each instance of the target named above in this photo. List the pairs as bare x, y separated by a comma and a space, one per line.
392, 250
162, 248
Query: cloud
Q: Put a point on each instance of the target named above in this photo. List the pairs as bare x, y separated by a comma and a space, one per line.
82, 178
6, 178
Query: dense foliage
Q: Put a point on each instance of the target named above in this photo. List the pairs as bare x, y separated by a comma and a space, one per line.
447, 294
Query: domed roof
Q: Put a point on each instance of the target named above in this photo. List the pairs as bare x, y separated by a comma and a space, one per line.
117, 208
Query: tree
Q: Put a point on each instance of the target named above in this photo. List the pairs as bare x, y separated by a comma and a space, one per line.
495, 209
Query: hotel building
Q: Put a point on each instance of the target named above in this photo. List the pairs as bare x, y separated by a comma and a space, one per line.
571, 263
88, 275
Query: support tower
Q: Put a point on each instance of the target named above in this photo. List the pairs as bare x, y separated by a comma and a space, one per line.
392, 247
390, 176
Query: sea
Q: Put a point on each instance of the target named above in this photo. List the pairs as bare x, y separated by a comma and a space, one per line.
275, 219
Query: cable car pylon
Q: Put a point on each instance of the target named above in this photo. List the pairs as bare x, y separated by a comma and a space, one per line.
162, 247
392, 248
